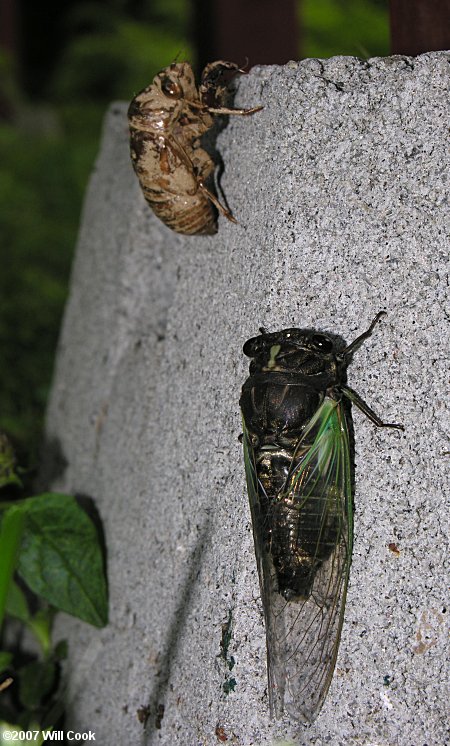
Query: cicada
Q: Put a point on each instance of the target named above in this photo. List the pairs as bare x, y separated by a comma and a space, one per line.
296, 409
166, 121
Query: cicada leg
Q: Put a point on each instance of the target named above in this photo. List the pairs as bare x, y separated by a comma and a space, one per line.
241, 112
223, 210
224, 109
361, 404
214, 88
352, 395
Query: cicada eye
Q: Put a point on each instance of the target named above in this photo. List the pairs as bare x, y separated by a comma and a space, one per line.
170, 88
251, 347
322, 343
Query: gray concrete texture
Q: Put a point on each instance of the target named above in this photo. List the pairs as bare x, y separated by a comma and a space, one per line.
340, 187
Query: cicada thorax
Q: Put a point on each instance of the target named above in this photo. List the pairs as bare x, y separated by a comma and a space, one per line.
295, 533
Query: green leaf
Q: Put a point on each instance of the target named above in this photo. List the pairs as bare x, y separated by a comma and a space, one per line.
60, 557
16, 603
12, 525
41, 626
36, 680
5, 660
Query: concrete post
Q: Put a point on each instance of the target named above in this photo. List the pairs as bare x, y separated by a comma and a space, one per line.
340, 187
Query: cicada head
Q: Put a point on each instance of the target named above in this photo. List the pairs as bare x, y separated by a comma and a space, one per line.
177, 82
162, 101
298, 351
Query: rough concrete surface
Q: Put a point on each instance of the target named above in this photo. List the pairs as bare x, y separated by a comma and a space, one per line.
340, 187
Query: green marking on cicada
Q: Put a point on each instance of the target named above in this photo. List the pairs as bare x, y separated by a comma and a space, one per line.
273, 356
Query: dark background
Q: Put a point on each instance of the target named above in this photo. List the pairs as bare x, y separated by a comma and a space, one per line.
61, 63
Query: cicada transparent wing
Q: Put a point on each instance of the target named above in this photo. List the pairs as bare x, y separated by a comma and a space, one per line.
272, 601
303, 623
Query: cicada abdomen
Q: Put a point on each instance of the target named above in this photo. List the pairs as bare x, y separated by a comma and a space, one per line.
167, 120
298, 469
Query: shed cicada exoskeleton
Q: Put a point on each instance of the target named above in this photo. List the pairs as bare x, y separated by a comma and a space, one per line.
295, 407
166, 121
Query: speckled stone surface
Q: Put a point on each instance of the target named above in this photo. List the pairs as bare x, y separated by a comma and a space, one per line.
340, 187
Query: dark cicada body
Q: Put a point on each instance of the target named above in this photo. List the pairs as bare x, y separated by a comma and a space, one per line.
297, 459
167, 120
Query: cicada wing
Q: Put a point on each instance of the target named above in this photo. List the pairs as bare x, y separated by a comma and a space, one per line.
271, 599
303, 633
308, 629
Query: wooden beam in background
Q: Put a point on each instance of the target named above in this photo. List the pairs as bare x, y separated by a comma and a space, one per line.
8, 26
263, 31
419, 26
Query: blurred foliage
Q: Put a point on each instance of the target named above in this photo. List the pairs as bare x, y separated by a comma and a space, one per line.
350, 27
38, 187
47, 147
125, 58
